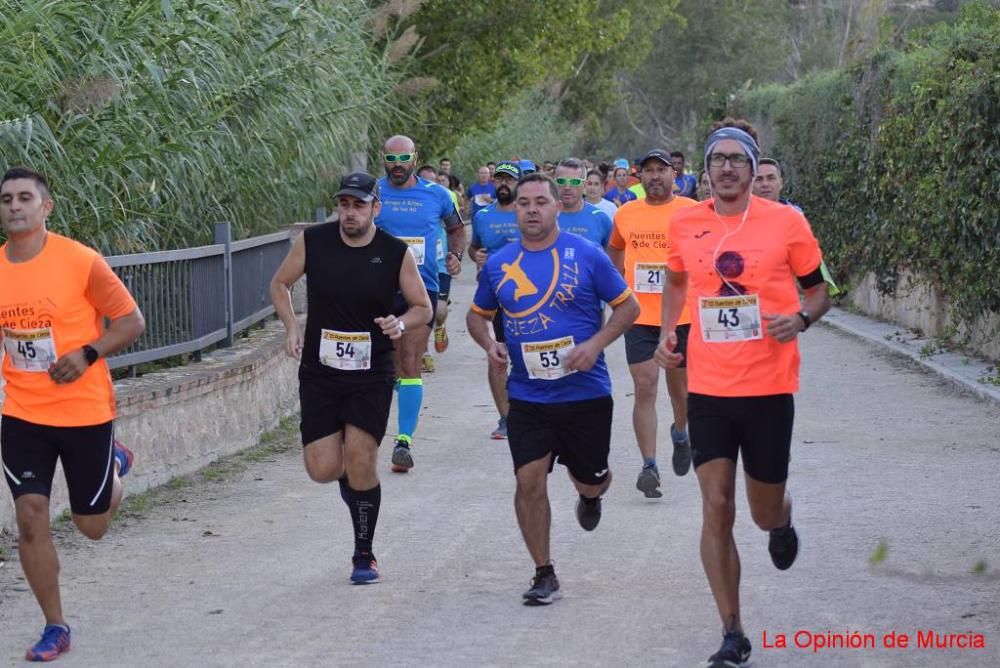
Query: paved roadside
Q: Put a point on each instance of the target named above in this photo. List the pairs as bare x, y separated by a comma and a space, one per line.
249, 566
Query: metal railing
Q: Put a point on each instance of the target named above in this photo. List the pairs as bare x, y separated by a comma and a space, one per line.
193, 298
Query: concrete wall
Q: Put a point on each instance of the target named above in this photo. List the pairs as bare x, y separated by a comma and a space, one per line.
179, 420
916, 304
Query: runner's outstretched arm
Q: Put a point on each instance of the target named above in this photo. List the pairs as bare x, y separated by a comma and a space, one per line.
292, 268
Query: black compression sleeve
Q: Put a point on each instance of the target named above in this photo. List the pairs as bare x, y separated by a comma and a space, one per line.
813, 278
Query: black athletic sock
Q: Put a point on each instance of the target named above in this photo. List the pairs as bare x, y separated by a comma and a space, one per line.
364, 508
588, 501
344, 487
547, 569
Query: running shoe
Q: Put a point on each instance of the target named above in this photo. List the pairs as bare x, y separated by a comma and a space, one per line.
365, 569
588, 512
783, 544
648, 482
427, 363
124, 457
441, 338
682, 451
500, 433
402, 460
544, 590
54, 641
734, 653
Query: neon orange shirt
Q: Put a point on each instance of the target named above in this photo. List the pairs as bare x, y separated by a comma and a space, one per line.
51, 305
762, 257
641, 231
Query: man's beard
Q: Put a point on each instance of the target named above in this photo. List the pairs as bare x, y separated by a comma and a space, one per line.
504, 195
361, 229
398, 180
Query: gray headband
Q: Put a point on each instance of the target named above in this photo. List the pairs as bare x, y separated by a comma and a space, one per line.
745, 140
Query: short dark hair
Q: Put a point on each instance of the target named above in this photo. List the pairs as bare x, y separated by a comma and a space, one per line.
422, 168
738, 123
444, 160
771, 161
21, 172
491, 163
573, 163
540, 177
677, 154
454, 182
598, 173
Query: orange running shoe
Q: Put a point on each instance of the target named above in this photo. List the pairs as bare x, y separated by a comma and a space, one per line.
441, 338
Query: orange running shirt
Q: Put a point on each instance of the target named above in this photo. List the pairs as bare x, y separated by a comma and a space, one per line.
760, 258
641, 231
51, 305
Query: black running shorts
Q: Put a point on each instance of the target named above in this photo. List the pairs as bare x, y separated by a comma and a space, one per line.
578, 433
498, 334
759, 427
30, 452
329, 402
399, 306
641, 342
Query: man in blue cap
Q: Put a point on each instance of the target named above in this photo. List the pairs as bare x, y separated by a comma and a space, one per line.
493, 228
620, 193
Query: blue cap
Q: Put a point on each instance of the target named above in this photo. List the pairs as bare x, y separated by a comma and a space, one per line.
621, 163
527, 167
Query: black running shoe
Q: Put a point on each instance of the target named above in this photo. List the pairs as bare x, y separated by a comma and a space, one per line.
544, 590
588, 513
682, 451
402, 460
783, 544
734, 653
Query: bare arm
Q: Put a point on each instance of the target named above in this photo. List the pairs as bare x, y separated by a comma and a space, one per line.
674, 295
584, 356
415, 294
292, 268
479, 328
786, 326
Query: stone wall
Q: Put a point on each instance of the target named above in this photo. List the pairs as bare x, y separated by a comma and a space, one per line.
917, 304
182, 419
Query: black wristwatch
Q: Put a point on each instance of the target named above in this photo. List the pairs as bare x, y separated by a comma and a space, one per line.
806, 320
457, 254
91, 354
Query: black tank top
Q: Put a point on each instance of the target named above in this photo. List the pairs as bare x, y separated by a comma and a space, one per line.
346, 289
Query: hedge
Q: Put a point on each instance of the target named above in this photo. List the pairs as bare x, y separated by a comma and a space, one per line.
896, 160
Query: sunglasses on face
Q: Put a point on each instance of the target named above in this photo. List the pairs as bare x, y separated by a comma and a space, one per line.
397, 157
568, 181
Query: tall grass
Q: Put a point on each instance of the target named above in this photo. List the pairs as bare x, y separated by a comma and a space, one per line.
155, 119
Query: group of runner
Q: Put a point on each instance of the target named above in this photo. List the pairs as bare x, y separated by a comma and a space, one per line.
708, 291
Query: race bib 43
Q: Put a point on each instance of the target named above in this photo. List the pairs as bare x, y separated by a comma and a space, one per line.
729, 319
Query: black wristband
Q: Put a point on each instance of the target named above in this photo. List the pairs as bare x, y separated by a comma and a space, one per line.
90, 354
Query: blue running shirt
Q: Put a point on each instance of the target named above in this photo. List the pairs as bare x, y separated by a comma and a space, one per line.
493, 229
550, 298
414, 215
589, 222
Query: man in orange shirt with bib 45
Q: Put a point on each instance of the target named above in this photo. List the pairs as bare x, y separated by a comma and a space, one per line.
59, 402
638, 248
734, 261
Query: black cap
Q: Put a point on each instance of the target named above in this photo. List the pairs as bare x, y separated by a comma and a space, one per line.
508, 167
360, 185
657, 154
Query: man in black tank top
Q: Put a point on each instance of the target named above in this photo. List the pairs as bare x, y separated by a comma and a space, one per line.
353, 271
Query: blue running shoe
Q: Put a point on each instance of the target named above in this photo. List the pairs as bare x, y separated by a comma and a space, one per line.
365, 569
124, 457
55, 641
500, 433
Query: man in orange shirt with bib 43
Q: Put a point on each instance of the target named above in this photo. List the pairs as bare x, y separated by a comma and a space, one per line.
734, 260
59, 402
638, 249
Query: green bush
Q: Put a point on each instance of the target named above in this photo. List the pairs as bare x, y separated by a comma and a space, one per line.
530, 128
155, 119
896, 160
